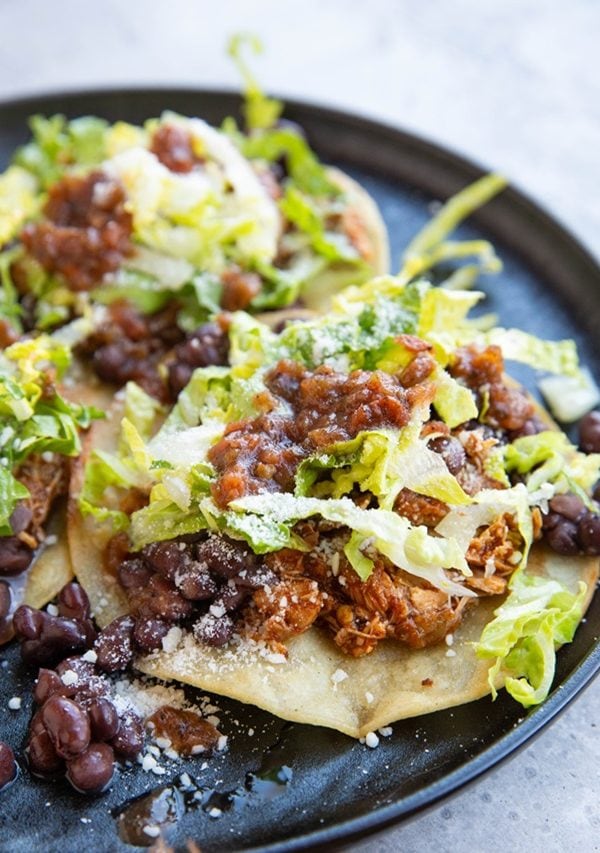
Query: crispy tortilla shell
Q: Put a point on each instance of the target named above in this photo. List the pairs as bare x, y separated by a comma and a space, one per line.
318, 684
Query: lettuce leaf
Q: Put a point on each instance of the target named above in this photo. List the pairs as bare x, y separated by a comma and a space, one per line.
406, 546
430, 247
10, 309
19, 201
381, 462
59, 144
538, 615
33, 420
298, 209
260, 111
549, 457
303, 167
11, 492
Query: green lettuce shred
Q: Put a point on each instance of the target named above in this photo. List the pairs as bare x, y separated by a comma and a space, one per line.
59, 144
31, 420
260, 111
539, 615
550, 458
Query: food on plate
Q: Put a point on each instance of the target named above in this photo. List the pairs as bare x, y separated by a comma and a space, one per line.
40, 422
136, 236
357, 518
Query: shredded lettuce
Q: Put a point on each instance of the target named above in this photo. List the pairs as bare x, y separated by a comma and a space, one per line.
59, 144
10, 309
18, 201
260, 111
549, 457
570, 397
381, 462
32, 420
406, 546
538, 615
430, 247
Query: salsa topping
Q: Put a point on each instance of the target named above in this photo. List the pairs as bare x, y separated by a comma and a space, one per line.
323, 407
86, 232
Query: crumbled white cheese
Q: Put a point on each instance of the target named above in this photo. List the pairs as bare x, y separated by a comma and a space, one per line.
449, 639
149, 762
369, 697
152, 831
372, 740
338, 676
172, 639
14, 704
222, 743
450, 653
90, 656
52, 609
215, 812
69, 677
385, 731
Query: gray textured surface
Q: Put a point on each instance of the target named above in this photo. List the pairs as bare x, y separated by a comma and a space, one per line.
514, 84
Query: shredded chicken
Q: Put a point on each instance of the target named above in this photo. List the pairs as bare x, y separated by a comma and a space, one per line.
45, 480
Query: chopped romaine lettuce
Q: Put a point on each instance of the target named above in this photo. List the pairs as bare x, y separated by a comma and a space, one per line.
428, 248
411, 548
33, 420
19, 201
538, 615
260, 111
381, 462
59, 144
549, 457
570, 397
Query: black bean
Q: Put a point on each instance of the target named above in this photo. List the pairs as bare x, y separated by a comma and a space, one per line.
36, 726
104, 720
551, 520
92, 771
589, 433
134, 574
589, 534
148, 634
231, 596
27, 622
114, 645
68, 726
20, 518
111, 364
58, 637
129, 740
213, 630
161, 600
73, 602
569, 506
48, 683
15, 556
8, 765
225, 557
179, 376
43, 758
562, 538
83, 670
166, 558
195, 582
451, 451
5, 600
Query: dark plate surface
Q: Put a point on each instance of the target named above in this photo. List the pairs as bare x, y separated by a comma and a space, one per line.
339, 789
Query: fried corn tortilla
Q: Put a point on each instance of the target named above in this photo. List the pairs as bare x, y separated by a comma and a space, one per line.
317, 684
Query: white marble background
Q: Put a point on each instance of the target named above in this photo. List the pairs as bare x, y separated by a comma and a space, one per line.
514, 84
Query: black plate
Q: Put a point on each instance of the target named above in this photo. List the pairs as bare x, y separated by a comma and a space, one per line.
340, 789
